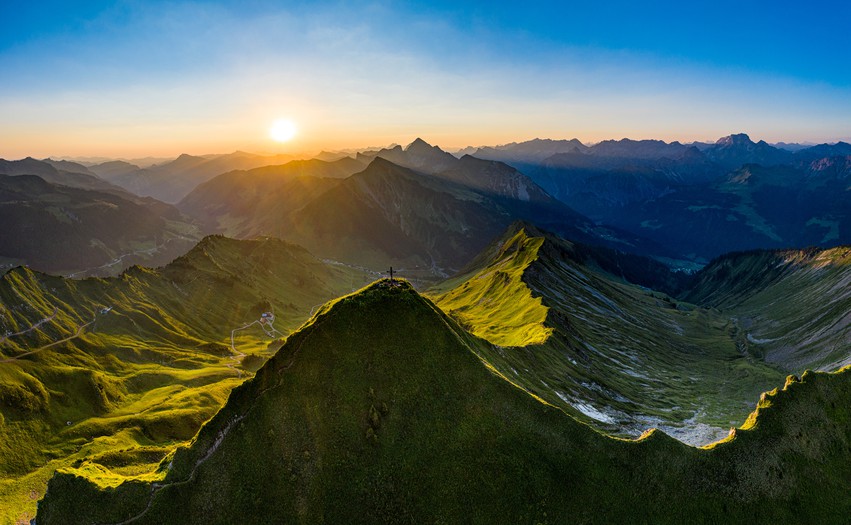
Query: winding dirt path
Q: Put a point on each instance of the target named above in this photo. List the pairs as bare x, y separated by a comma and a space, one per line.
5, 337
79, 332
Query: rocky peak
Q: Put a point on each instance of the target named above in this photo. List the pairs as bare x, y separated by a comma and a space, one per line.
736, 139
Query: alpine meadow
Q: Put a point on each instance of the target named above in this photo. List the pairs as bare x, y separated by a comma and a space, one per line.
425, 262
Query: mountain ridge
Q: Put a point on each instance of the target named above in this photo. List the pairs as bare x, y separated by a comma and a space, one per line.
519, 455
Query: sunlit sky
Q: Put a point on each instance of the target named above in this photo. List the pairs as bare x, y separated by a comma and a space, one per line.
133, 78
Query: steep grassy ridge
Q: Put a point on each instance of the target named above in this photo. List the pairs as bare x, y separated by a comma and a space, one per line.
381, 411
143, 359
495, 304
620, 356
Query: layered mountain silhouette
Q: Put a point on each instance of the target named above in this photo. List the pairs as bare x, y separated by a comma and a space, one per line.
171, 181
694, 199
426, 220
261, 201
59, 228
418, 155
60, 172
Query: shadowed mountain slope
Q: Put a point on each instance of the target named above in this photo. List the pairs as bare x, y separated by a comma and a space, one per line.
380, 411
418, 155
430, 219
733, 195
171, 181
388, 214
795, 305
58, 228
61, 172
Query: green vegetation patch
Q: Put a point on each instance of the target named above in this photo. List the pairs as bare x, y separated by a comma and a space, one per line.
495, 304
111, 375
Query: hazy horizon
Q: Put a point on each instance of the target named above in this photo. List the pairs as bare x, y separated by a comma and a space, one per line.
127, 79
352, 150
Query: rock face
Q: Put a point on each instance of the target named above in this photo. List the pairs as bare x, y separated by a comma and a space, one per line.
736, 150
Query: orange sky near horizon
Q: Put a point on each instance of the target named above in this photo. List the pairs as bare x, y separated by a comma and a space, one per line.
138, 79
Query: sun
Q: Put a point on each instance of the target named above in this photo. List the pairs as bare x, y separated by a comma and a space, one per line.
283, 130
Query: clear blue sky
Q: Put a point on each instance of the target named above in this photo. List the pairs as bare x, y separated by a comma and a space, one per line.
123, 78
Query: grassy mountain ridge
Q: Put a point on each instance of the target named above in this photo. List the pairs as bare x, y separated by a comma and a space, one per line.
625, 358
334, 429
112, 374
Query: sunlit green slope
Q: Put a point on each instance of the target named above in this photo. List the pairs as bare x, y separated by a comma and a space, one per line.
381, 411
116, 372
618, 355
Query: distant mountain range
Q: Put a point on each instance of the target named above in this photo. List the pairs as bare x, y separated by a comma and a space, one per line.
64, 229
248, 203
698, 201
63, 172
417, 208
171, 181
683, 203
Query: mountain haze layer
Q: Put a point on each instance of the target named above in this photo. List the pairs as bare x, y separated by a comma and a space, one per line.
429, 218
65, 229
699, 201
171, 181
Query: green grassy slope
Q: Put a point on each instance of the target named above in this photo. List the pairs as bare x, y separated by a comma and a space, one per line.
125, 385
620, 356
381, 411
496, 304
794, 305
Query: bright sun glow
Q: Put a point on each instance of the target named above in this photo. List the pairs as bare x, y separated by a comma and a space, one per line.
283, 130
